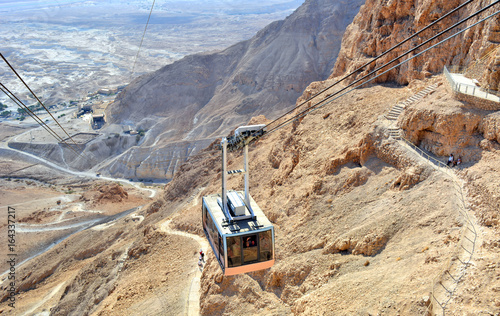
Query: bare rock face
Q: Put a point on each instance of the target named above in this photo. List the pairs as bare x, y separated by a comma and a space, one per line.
490, 127
445, 133
204, 96
106, 193
263, 75
367, 245
442, 125
381, 24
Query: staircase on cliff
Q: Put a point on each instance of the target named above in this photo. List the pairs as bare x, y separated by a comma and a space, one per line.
397, 109
476, 69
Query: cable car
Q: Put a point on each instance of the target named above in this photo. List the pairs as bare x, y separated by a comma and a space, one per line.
241, 236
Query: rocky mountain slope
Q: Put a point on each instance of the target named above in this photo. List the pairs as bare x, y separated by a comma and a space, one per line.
364, 224
382, 24
206, 95
359, 217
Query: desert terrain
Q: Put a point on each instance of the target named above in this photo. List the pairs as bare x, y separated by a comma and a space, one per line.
66, 49
358, 212
355, 211
368, 217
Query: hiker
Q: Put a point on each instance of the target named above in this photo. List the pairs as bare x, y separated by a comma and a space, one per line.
200, 263
202, 255
450, 160
459, 161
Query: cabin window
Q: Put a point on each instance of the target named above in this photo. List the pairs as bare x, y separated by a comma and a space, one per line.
250, 248
221, 248
265, 245
211, 231
233, 251
204, 216
215, 240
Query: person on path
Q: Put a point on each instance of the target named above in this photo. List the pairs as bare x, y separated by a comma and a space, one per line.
200, 263
450, 160
202, 255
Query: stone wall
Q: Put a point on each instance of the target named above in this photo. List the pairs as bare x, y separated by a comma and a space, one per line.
472, 100
475, 102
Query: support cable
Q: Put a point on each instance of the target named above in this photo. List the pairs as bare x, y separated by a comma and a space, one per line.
21, 105
35, 117
383, 66
142, 39
315, 108
26, 85
373, 60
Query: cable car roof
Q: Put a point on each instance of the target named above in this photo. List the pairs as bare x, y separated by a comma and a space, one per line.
239, 226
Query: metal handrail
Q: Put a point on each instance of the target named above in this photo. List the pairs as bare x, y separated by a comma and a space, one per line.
469, 89
468, 227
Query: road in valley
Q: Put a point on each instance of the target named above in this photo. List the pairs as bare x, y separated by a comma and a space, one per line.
84, 174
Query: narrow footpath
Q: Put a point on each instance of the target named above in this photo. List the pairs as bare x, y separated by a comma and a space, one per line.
444, 284
4, 145
193, 299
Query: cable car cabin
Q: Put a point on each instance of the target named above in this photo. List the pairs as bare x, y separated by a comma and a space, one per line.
241, 236
245, 242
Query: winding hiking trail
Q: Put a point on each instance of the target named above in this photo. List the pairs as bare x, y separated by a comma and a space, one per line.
44, 300
448, 280
4, 145
193, 299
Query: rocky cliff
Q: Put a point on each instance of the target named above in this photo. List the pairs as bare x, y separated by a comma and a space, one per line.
207, 95
382, 24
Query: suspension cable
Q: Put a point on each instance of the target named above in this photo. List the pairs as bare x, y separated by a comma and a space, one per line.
383, 66
304, 113
22, 106
26, 85
373, 60
142, 39
35, 117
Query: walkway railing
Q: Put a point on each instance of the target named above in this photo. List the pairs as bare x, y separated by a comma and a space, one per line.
470, 89
445, 284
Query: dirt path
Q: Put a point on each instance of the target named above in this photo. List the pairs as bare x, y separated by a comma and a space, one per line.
44, 300
106, 221
193, 299
447, 281
5, 145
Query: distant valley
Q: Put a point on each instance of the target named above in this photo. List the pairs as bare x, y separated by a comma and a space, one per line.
215, 74
65, 49
368, 217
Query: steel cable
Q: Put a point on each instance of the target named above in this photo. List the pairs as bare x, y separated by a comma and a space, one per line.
303, 113
36, 97
373, 60
36, 118
142, 39
21, 105
312, 109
